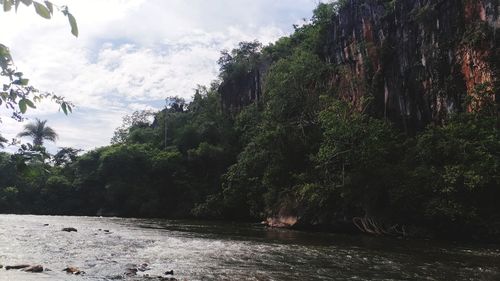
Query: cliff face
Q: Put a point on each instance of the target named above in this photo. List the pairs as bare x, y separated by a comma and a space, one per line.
419, 59
243, 89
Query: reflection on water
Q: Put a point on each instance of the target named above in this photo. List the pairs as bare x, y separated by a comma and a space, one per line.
225, 251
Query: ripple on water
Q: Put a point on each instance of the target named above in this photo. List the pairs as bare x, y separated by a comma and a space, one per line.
218, 251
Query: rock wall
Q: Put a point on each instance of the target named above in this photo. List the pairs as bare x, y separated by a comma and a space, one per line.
419, 59
244, 88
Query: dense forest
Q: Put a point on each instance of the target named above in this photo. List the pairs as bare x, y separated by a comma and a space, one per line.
309, 131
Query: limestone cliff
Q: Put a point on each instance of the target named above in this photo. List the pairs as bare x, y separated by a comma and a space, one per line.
419, 60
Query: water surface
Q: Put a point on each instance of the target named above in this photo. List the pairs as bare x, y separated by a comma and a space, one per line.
225, 251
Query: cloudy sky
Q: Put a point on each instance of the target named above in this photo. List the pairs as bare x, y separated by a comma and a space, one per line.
131, 54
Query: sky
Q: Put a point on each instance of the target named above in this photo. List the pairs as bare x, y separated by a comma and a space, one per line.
130, 55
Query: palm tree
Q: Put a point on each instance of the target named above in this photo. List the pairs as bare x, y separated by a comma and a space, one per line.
39, 132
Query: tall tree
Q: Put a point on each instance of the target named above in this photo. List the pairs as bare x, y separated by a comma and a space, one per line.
39, 132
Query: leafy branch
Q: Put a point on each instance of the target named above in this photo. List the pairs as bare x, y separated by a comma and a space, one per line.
45, 10
16, 94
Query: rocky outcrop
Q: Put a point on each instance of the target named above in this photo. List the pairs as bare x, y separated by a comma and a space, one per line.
281, 221
26, 267
419, 59
244, 88
17, 266
34, 269
69, 229
73, 270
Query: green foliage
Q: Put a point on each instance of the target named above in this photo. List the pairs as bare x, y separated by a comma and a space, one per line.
457, 167
324, 13
9, 198
136, 121
298, 151
477, 34
7, 170
66, 156
239, 60
482, 100
358, 157
277, 140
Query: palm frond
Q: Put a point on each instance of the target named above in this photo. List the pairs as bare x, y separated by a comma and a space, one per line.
49, 134
39, 132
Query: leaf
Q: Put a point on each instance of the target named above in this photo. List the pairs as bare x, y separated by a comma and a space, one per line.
64, 108
74, 26
70, 109
21, 82
5, 57
50, 6
41, 10
7, 5
22, 106
27, 2
4, 51
30, 103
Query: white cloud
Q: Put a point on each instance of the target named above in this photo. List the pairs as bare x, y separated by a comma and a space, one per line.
132, 54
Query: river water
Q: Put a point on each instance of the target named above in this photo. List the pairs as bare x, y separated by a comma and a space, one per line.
224, 251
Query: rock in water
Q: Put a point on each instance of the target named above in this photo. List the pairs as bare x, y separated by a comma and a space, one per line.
73, 270
282, 221
69, 229
34, 269
131, 272
19, 266
143, 267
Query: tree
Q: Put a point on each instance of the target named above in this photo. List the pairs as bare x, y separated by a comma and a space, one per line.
39, 132
66, 155
239, 60
138, 119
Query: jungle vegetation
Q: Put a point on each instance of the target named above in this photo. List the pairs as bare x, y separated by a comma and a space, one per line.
299, 150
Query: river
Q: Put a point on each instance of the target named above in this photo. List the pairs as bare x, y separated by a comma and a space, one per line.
225, 251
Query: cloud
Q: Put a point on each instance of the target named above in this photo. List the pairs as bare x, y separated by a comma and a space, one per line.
132, 54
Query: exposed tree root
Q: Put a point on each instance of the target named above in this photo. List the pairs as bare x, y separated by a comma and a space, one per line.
371, 226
